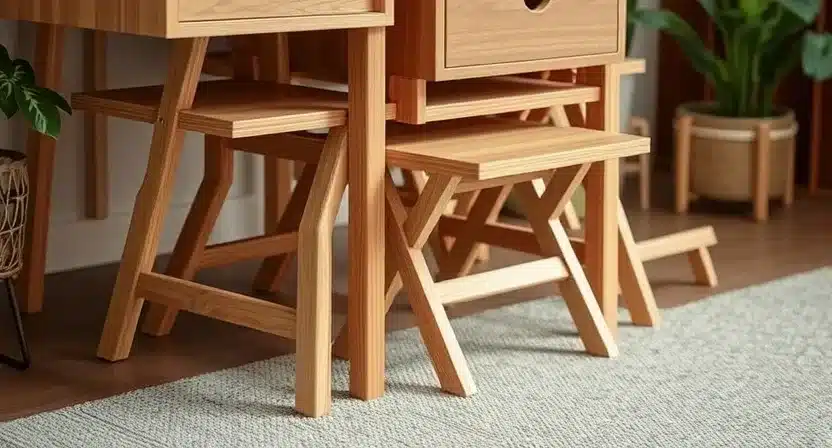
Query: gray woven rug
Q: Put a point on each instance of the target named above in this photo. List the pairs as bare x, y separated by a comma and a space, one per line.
750, 368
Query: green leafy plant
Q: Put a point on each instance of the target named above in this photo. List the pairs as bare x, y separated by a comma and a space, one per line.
19, 92
761, 42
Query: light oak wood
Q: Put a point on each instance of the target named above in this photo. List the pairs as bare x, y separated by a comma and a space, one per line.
420, 102
463, 253
434, 326
248, 249
483, 148
762, 171
218, 304
366, 306
676, 243
202, 18
640, 126
602, 185
313, 381
96, 173
684, 124
510, 236
633, 280
230, 108
498, 281
273, 65
275, 266
577, 292
202, 10
151, 203
788, 195
189, 250
456, 39
298, 148
631, 66
703, 267
40, 151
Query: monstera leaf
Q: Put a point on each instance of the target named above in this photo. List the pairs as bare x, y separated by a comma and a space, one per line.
19, 93
817, 56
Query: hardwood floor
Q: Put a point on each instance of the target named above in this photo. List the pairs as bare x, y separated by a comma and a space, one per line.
63, 338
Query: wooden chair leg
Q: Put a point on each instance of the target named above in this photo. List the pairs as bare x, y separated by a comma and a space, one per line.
761, 168
570, 218
635, 286
313, 381
788, 196
703, 267
576, 290
683, 136
393, 285
152, 201
273, 269
644, 181
277, 178
444, 350
184, 262
463, 253
40, 149
464, 203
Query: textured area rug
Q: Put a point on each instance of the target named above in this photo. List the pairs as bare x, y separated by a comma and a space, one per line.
747, 368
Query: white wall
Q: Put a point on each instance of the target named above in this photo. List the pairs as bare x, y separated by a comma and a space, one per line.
75, 241
645, 45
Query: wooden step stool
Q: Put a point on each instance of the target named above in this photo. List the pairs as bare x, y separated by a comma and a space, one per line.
493, 156
245, 115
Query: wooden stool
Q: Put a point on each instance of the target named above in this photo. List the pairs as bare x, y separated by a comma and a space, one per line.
492, 157
246, 115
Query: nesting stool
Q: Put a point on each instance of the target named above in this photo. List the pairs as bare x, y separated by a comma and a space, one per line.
259, 117
492, 156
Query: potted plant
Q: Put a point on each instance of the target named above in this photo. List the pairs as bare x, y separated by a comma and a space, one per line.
41, 109
761, 41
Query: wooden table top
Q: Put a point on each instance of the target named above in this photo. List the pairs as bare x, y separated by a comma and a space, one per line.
195, 18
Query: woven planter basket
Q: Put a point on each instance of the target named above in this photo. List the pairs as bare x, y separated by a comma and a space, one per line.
14, 198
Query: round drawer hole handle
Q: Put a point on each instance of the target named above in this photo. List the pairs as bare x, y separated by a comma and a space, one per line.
536, 5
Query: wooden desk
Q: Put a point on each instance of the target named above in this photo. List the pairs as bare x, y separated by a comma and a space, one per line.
189, 24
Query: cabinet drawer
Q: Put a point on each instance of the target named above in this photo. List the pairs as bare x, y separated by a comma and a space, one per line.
205, 10
439, 40
481, 32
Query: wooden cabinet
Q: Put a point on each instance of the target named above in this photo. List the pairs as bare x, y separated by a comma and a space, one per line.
455, 39
194, 18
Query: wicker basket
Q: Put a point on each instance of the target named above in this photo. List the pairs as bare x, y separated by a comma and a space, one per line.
14, 197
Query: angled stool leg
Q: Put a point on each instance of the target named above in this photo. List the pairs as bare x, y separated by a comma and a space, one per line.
635, 286
313, 378
407, 237
151, 202
553, 240
184, 262
464, 203
393, 285
274, 268
463, 253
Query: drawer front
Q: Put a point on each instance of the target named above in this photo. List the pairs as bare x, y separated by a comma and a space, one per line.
482, 32
204, 10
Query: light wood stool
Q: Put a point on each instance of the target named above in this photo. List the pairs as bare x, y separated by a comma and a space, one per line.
493, 157
258, 117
